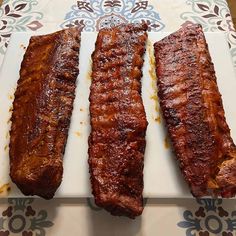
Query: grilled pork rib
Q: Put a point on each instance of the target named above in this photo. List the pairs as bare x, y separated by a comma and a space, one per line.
41, 112
192, 108
118, 120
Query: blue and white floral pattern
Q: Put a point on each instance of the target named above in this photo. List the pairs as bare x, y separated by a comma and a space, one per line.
209, 219
17, 15
20, 218
93, 15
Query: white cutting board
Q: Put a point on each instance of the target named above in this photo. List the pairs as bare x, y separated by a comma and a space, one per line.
162, 178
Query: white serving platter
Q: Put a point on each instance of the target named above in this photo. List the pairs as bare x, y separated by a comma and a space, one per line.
162, 178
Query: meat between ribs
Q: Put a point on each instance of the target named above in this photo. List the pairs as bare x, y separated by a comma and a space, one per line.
118, 120
193, 111
41, 112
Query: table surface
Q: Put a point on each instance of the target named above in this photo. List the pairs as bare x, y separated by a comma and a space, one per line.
28, 217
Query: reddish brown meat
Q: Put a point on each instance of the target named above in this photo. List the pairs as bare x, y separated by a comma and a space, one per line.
194, 114
41, 112
118, 121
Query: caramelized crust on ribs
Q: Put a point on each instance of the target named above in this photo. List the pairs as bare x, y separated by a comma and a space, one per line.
194, 114
41, 112
118, 120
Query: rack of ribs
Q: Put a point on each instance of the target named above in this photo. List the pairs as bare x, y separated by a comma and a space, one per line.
42, 110
118, 120
193, 111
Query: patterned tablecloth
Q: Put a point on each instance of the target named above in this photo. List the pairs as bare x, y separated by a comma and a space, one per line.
164, 217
